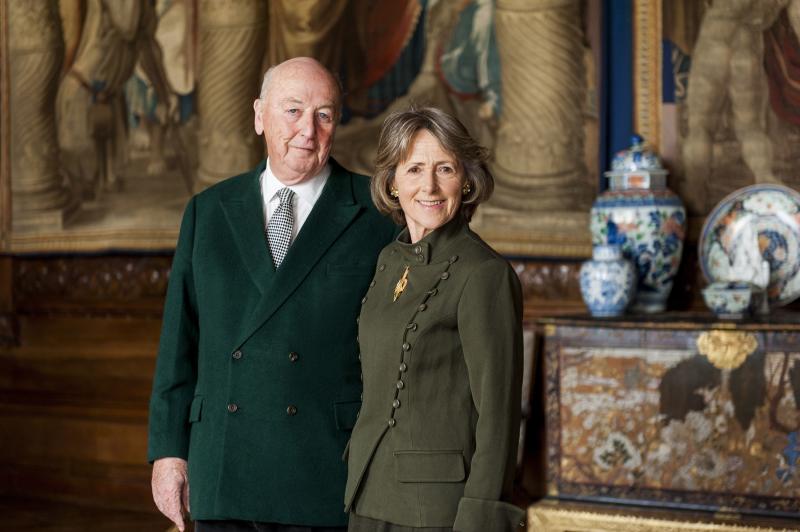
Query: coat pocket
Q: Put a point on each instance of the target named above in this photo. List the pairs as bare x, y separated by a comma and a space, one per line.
196, 409
429, 466
345, 413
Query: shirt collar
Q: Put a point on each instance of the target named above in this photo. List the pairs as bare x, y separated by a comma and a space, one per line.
308, 191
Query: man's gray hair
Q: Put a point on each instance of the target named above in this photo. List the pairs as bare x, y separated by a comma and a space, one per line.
265, 84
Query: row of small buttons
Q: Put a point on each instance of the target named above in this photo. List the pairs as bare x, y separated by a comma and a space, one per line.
237, 355
412, 327
290, 410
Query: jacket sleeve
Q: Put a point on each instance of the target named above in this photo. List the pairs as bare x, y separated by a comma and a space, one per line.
176, 366
490, 326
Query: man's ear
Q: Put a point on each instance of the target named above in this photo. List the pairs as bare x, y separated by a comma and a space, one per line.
258, 121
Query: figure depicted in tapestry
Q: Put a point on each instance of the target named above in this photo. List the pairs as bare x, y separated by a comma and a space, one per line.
727, 69
537, 136
149, 125
90, 107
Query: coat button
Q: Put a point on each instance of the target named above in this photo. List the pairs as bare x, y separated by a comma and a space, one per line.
237, 355
417, 249
400, 385
381, 267
422, 307
420, 258
411, 326
291, 410
372, 283
433, 292
363, 300
445, 275
453, 259
396, 403
403, 367
233, 407
392, 422
406, 347
293, 357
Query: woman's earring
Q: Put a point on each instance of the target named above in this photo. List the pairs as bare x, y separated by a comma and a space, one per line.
393, 192
466, 189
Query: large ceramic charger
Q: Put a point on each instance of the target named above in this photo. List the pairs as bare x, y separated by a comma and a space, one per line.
754, 235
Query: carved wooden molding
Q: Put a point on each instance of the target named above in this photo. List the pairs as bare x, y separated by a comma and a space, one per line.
549, 280
132, 284
45, 284
9, 330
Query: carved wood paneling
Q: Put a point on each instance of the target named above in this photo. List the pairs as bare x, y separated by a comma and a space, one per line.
550, 287
87, 285
8, 330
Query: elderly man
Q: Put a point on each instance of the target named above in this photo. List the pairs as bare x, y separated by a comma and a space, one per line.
257, 383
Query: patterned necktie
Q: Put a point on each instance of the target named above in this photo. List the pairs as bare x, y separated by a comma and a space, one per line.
279, 228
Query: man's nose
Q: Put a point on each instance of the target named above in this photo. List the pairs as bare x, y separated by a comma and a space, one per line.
307, 125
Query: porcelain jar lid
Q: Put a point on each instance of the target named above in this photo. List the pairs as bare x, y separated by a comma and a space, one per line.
636, 159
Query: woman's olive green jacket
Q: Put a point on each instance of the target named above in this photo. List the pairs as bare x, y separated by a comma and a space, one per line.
436, 438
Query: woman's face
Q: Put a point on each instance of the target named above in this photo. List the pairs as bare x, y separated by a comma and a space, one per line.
429, 183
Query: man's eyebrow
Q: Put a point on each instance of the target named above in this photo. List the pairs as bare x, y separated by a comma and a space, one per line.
292, 99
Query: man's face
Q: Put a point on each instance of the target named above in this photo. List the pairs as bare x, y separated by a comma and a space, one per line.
298, 117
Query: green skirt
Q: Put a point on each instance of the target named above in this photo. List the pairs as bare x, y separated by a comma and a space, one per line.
359, 523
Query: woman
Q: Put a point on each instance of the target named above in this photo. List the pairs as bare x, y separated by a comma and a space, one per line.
435, 443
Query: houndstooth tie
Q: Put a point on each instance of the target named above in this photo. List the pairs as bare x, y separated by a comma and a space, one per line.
279, 228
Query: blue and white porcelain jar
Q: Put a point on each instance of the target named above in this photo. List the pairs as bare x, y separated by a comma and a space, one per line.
608, 281
648, 220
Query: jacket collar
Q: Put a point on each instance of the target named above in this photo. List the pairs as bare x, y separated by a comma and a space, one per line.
436, 246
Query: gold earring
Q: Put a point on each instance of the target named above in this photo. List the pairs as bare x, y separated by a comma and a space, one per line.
393, 192
466, 189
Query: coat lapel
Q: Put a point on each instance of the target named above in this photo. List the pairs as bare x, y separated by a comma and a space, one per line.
244, 211
333, 212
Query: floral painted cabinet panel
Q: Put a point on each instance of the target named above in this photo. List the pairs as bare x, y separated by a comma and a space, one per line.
681, 412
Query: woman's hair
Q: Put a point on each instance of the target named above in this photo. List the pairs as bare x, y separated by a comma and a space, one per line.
394, 145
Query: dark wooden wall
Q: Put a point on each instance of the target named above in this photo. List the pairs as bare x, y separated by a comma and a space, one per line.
78, 340
80, 336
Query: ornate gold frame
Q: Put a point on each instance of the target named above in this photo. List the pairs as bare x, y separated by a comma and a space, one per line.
647, 15
546, 517
5, 144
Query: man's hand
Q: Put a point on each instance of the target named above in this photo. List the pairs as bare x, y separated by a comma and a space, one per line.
170, 485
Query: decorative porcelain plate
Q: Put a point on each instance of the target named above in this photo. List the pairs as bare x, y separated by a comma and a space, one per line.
753, 235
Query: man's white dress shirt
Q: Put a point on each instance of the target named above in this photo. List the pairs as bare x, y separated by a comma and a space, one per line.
306, 195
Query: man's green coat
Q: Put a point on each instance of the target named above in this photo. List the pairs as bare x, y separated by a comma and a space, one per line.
257, 382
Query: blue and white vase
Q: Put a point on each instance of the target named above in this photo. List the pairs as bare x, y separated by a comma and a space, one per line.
608, 281
647, 219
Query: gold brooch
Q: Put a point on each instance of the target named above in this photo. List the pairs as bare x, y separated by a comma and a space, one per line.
401, 284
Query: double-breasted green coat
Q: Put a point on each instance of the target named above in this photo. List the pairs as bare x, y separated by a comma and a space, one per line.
257, 378
435, 442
